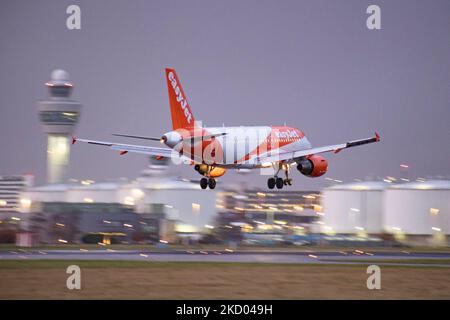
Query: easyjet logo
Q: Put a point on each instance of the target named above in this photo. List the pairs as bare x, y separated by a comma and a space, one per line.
180, 98
286, 134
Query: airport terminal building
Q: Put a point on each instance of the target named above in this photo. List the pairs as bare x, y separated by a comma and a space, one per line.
151, 208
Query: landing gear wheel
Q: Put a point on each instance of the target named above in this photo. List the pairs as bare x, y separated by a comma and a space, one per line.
212, 183
203, 183
271, 183
279, 183
287, 182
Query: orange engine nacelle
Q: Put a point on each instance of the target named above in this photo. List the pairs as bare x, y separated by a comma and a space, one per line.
313, 166
215, 172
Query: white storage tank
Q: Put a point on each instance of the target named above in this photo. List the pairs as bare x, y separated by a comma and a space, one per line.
418, 209
353, 208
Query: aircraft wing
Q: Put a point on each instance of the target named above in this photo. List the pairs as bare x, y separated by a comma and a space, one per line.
292, 155
125, 148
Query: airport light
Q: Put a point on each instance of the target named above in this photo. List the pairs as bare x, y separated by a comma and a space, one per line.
3, 202
26, 203
129, 201
434, 211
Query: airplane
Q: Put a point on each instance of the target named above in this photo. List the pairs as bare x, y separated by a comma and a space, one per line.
214, 150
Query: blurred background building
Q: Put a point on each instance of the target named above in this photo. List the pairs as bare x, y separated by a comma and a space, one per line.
418, 212
354, 208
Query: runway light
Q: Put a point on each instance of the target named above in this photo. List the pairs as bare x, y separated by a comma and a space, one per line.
62, 241
60, 225
354, 209
195, 206
436, 229
3, 203
163, 241
15, 218
207, 226
359, 228
312, 256
128, 225
298, 208
261, 194
88, 200
404, 166
143, 255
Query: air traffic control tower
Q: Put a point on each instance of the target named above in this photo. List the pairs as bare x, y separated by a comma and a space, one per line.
58, 115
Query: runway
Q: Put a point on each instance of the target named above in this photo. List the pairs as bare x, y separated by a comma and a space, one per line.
394, 258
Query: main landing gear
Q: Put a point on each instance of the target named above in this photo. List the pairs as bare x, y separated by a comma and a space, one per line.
279, 182
205, 183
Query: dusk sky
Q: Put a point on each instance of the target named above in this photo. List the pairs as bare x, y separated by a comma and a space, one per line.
313, 65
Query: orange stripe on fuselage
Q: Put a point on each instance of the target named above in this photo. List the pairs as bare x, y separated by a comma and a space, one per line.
277, 138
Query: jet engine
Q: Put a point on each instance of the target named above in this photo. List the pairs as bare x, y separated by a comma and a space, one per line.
312, 166
214, 172
171, 139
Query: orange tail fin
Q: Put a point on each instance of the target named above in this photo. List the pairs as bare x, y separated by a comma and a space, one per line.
182, 116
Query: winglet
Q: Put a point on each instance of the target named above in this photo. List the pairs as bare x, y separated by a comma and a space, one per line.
74, 139
377, 137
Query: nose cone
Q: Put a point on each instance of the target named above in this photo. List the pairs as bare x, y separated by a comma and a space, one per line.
171, 139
